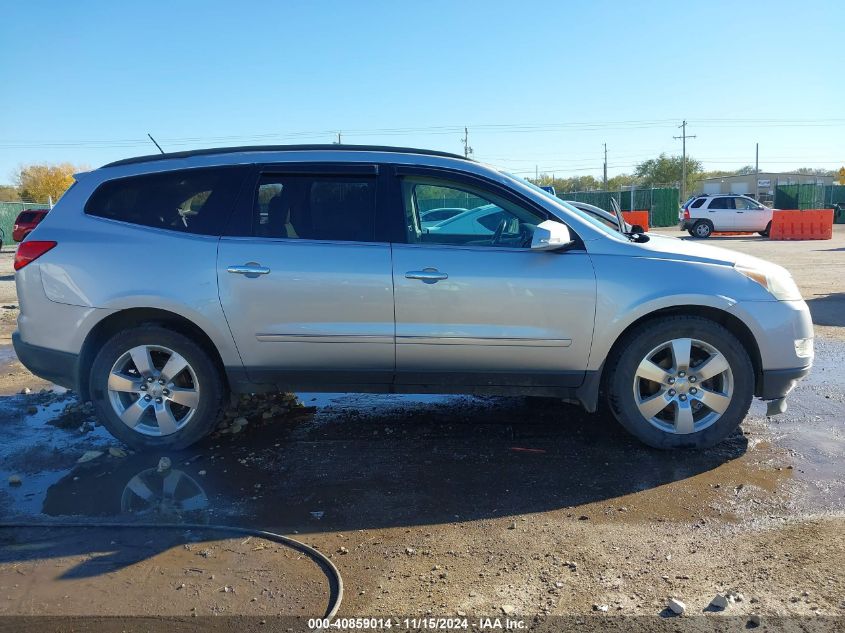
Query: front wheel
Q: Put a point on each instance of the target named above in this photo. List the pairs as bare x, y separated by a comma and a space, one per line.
155, 388
681, 382
765, 232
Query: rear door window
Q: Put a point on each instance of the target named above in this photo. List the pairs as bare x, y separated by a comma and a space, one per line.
189, 200
721, 203
315, 207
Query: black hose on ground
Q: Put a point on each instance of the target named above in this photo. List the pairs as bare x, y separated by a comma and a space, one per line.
328, 567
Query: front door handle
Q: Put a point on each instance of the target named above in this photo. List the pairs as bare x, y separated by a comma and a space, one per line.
250, 269
426, 275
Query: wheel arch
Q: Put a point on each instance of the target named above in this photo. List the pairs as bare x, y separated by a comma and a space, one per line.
729, 321
133, 317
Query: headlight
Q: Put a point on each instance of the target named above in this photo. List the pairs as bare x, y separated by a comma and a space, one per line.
780, 285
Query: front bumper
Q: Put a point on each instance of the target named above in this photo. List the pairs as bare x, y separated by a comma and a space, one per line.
777, 383
59, 367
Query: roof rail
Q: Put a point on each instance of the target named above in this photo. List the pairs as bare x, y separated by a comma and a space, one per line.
283, 148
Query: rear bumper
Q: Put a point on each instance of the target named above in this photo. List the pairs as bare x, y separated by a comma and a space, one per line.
685, 225
59, 367
777, 383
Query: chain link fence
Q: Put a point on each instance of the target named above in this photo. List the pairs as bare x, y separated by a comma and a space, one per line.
661, 203
812, 196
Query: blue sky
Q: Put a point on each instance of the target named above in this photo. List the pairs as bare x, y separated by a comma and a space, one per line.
85, 81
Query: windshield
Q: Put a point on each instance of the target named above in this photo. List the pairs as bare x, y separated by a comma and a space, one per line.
581, 214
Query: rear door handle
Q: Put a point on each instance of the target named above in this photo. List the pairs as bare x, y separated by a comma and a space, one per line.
250, 269
426, 275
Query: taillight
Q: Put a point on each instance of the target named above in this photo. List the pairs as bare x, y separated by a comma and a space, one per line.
686, 214
29, 251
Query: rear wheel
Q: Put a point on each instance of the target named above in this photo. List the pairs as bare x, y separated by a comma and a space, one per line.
155, 388
702, 229
681, 382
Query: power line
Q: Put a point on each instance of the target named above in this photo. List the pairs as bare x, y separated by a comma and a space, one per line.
430, 130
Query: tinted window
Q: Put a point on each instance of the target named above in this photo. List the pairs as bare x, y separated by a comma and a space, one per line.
482, 219
190, 200
26, 217
721, 203
698, 203
338, 208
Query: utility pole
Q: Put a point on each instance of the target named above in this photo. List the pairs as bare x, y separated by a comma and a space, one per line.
465, 141
338, 141
605, 166
757, 172
684, 138
536, 173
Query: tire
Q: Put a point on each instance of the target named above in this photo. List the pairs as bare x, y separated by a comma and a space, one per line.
702, 229
765, 233
685, 421
155, 420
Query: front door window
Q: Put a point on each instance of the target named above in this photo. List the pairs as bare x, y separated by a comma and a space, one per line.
442, 212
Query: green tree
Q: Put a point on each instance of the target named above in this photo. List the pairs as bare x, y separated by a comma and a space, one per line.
618, 182
667, 170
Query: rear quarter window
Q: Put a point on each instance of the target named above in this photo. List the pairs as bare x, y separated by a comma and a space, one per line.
698, 203
189, 200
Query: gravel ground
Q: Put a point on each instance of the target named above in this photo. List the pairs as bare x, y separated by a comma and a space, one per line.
514, 508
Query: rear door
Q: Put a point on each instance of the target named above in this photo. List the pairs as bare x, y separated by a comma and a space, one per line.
476, 306
305, 282
721, 213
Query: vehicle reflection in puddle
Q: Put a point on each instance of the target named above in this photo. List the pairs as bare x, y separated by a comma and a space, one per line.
362, 461
172, 493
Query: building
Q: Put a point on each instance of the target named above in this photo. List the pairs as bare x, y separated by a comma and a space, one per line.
766, 184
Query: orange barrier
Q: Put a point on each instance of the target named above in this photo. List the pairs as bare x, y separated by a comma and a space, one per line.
637, 217
811, 224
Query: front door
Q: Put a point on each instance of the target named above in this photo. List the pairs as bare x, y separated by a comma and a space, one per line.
750, 215
307, 291
474, 305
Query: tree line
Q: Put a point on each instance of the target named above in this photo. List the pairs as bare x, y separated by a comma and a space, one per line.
663, 171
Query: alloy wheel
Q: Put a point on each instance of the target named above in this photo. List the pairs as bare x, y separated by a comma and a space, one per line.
683, 386
153, 390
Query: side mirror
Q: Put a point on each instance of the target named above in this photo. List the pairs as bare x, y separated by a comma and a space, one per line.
636, 228
550, 235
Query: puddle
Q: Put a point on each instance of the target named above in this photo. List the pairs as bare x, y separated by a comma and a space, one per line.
368, 461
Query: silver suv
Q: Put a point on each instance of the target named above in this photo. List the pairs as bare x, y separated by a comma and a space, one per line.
159, 284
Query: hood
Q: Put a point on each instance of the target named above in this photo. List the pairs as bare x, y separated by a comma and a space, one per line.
665, 247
